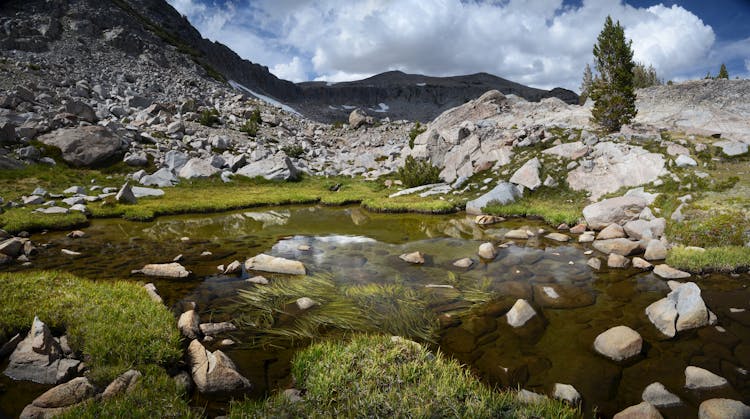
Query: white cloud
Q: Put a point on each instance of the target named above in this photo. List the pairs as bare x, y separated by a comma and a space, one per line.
542, 43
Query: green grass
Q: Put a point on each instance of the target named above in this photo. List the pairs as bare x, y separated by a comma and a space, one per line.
371, 376
23, 219
553, 212
155, 396
114, 325
711, 229
409, 203
719, 259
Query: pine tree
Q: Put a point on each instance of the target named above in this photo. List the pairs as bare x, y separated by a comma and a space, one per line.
645, 77
586, 84
723, 73
613, 89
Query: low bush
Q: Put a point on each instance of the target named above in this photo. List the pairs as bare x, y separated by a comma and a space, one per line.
418, 172
250, 128
415, 131
293, 150
209, 117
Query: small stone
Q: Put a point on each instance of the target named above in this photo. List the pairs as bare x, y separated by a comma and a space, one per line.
612, 231
578, 228
234, 267
617, 261
558, 237
125, 195
655, 250
659, 396
304, 303
211, 329
641, 263
517, 234
529, 397
640, 411
70, 252
167, 270
304, 248
594, 263
414, 257
151, 290
260, 280
463, 263
189, 324
487, 251
567, 393
483, 220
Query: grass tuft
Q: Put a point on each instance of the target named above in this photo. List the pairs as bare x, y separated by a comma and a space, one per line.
372, 376
713, 259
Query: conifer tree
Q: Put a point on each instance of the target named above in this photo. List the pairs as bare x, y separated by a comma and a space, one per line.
613, 89
586, 84
723, 73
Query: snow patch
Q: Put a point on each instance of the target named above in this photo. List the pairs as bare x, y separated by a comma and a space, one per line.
264, 98
421, 84
382, 107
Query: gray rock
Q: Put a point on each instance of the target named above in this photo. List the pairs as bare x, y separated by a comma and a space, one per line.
416, 258
174, 160
162, 178
305, 303
640, 411
125, 195
11, 247
657, 395
617, 261
29, 153
668, 272
88, 146
81, 110
645, 230
487, 251
723, 408
358, 118
7, 133
619, 343
655, 250
503, 193
137, 159
623, 247
612, 231
33, 200
567, 393
700, 379
463, 263
75, 190
729, 147
166, 270
691, 309
197, 168
684, 161
189, 324
594, 263
151, 290
212, 329
140, 192
528, 174
614, 210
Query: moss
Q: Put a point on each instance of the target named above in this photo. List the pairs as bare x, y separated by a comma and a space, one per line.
114, 326
373, 376
721, 259
155, 396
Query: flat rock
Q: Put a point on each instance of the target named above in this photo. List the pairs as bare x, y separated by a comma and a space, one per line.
39, 358
622, 247
641, 263
66, 394
558, 237
723, 408
663, 315
700, 379
166, 270
668, 272
519, 234
87, 146
594, 263
617, 210
520, 313
732, 148
212, 329
619, 343
273, 264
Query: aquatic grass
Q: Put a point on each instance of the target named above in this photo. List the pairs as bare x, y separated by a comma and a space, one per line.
115, 325
270, 310
156, 395
480, 292
719, 259
377, 376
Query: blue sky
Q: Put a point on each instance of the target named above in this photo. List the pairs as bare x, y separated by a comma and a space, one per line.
542, 43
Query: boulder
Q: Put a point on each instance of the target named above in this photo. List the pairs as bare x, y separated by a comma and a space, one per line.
88, 146
614, 210
640, 411
166, 270
619, 343
83, 111
11, 247
358, 117
728, 147
7, 133
503, 193
39, 358
137, 159
691, 309
266, 263
487, 251
197, 168
655, 250
416, 258
528, 174
174, 160
189, 324
214, 372
684, 161
723, 408
645, 230
617, 261
668, 272
657, 395
51, 402
125, 383
623, 247
612, 231
520, 313
699, 379
162, 178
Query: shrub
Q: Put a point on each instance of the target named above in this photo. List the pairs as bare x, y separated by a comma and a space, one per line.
255, 117
415, 131
293, 150
418, 172
250, 128
209, 117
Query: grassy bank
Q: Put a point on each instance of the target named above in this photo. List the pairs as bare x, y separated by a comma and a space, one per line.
372, 376
712, 259
115, 326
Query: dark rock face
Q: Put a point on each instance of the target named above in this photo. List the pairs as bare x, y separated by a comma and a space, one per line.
91, 146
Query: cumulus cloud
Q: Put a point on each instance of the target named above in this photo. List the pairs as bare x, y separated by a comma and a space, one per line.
543, 43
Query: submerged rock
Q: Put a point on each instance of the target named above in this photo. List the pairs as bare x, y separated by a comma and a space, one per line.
416, 258
520, 313
659, 396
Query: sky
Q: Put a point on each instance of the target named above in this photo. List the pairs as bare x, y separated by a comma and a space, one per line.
540, 43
